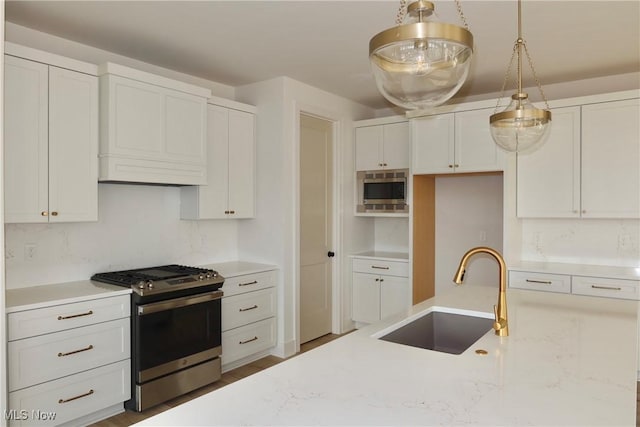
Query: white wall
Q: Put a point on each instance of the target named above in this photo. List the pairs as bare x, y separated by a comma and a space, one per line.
391, 234
49, 43
468, 214
273, 236
138, 226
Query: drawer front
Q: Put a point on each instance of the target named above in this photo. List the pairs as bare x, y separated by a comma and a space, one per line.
30, 323
249, 282
71, 397
239, 310
388, 268
608, 288
540, 281
247, 340
48, 357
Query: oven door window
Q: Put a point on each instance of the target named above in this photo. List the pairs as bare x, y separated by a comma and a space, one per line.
171, 334
384, 191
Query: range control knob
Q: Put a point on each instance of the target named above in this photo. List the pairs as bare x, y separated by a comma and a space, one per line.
150, 284
201, 276
208, 275
141, 284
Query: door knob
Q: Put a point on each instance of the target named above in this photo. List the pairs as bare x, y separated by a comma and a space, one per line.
331, 254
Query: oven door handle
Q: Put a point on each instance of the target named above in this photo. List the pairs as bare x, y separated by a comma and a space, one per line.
177, 303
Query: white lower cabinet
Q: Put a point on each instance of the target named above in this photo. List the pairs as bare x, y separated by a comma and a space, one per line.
67, 362
580, 283
249, 307
380, 288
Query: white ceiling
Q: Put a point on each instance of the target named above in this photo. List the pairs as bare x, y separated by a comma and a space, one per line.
325, 43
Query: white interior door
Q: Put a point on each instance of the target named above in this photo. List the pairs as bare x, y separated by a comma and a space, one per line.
316, 172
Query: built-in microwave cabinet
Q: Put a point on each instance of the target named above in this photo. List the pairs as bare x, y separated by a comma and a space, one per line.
457, 142
50, 142
152, 129
593, 151
382, 146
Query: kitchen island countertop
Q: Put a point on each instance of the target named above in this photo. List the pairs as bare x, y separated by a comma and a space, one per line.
569, 360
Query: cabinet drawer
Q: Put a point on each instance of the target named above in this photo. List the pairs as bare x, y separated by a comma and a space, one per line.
609, 288
247, 308
373, 266
29, 323
72, 397
247, 340
249, 282
47, 357
540, 281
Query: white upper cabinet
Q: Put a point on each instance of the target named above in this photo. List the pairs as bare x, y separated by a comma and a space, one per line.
548, 179
588, 168
231, 168
611, 159
51, 143
153, 129
384, 146
454, 143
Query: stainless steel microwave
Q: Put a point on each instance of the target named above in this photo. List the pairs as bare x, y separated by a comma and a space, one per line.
382, 191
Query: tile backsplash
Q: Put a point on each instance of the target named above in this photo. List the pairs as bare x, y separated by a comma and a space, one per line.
138, 226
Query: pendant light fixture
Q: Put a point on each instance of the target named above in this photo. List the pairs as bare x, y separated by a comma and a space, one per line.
421, 63
520, 127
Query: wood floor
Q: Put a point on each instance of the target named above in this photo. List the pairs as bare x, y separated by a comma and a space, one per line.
129, 417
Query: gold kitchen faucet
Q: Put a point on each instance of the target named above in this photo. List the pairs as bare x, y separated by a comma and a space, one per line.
501, 325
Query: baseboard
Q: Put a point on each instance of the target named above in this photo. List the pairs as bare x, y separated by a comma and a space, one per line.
96, 416
245, 360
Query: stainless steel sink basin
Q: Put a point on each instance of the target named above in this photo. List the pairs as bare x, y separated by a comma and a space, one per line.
446, 331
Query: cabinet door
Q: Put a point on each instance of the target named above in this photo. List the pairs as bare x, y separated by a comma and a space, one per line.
394, 295
25, 140
241, 164
214, 197
432, 140
475, 150
369, 148
73, 146
611, 160
395, 146
548, 179
366, 297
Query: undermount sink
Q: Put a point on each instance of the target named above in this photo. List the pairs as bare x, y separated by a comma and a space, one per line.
441, 329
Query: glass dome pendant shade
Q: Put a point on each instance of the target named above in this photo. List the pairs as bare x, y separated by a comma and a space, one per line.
419, 63
520, 127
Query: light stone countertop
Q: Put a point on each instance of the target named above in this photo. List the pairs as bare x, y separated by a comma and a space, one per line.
62, 293
384, 255
239, 268
569, 360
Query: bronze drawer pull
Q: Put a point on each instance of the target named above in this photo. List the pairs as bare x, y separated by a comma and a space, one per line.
88, 313
247, 284
544, 282
608, 288
379, 268
89, 393
247, 341
75, 351
249, 308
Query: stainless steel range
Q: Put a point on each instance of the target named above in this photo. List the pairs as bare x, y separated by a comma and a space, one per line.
176, 330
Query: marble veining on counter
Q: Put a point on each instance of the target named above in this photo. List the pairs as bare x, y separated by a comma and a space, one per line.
387, 256
63, 293
569, 360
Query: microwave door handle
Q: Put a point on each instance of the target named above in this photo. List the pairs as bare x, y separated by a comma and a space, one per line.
177, 303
